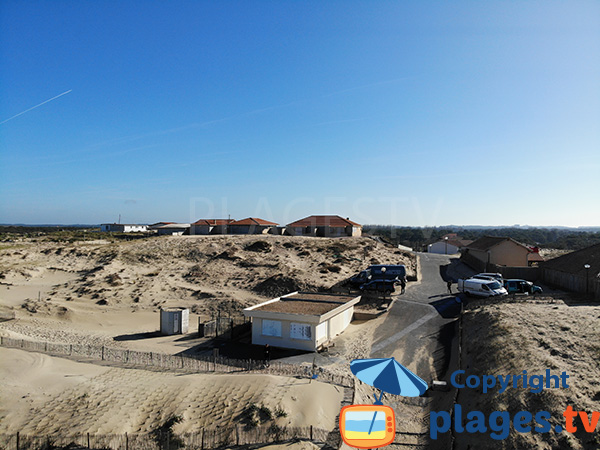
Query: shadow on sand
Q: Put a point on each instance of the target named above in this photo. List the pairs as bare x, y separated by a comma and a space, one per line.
137, 336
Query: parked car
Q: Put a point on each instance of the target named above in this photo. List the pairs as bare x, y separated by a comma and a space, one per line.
516, 286
481, 288
384, 286
388, 272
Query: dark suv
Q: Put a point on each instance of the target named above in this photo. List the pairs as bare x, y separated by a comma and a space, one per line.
385, 286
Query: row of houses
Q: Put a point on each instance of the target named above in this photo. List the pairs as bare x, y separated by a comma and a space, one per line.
323, 225
489, 250
577, 271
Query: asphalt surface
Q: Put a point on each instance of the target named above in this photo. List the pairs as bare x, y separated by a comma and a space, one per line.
419, 328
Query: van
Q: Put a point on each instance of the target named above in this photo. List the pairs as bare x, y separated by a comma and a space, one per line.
390, 272
494, 276
481, 288
516, 286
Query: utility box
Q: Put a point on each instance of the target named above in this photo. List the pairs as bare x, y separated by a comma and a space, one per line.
174, 320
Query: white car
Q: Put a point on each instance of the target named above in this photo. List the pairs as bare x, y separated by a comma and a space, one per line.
481, 287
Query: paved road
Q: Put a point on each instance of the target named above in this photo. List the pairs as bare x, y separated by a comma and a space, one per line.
418, 328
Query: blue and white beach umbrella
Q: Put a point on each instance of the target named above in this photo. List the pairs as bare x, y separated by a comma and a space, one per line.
389, 376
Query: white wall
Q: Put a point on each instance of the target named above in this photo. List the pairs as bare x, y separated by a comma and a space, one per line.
320, 333
440, 248
284, 341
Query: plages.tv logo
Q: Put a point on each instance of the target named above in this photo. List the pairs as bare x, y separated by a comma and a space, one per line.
498, 424
373, 426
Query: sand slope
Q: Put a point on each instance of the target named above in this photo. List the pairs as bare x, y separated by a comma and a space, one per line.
507, 338
91, 291
48, 395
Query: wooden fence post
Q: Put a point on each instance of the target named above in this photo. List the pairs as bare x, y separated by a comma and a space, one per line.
202, 439
88, 440
70, 349
311, 432
103, 353
18, 440
126, 441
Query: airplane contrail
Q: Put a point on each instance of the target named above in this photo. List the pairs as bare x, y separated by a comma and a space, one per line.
36, 106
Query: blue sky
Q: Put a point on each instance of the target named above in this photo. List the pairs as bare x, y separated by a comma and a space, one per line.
405, 113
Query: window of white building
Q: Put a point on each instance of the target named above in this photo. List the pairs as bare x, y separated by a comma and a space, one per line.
271, 328
300, 331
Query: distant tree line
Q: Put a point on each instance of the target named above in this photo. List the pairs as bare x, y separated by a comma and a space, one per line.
415, 237
61, 233
420, 238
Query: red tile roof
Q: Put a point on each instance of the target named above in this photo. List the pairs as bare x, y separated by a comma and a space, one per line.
213, 222
254, 221
324, 221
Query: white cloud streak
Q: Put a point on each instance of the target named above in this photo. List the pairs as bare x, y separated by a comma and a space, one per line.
36, 106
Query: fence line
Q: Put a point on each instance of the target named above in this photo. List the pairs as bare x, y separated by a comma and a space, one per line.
194, 364
204, 439
224, 327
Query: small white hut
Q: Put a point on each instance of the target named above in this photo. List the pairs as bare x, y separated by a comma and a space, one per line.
174, 320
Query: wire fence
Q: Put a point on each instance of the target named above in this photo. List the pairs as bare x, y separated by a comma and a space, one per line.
192, 364
203, 439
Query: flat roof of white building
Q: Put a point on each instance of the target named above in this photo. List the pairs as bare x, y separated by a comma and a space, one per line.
305, 303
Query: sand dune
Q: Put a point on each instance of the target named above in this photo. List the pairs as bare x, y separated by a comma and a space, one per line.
48, 395
92, 292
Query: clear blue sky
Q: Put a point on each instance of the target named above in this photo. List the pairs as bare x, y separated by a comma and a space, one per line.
394, 112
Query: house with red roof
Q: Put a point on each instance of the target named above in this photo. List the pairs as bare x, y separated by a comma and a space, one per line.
324, 226
502, 251
251, 225
210, 226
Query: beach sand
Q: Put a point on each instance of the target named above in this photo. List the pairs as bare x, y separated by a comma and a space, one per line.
110, 293
48, 395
